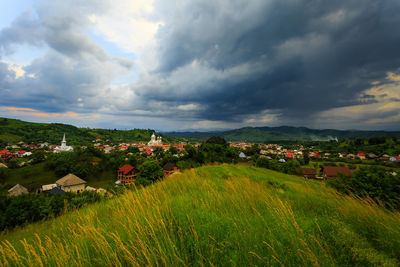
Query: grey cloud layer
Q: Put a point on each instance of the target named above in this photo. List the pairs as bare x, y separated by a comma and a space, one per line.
218, 60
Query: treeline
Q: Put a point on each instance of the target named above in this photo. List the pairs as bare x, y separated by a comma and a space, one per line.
382, 185
375, 145
28, 208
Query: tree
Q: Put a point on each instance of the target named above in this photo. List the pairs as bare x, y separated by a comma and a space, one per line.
133, 149
4, 172
173, 150
38, 156
262, 162
253, 150
306, 157
149, 172
216, 140
13, 164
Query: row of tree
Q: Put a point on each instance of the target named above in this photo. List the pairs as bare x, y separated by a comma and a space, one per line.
28, 208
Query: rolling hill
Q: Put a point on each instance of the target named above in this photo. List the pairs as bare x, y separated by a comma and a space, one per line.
12, 130
215, 215
283, 133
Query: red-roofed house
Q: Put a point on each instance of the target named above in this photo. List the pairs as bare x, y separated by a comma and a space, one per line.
289, 155
361, 155
148, 151
332, 171
127, 174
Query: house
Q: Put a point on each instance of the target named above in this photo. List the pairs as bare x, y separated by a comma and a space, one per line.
127, 174
170, 168
89, 188
48, 187
289, 155
333, 171
394, 159
17, 190
71, 183
282, 160
351, 156
242, 155
361, 155
307, 172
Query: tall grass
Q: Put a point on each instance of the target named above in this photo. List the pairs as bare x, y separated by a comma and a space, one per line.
218, 215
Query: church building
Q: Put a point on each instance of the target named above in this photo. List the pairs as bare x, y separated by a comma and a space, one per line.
154, 141
63, 146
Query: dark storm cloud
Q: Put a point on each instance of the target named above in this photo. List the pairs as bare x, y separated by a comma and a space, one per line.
215, 60
302, 56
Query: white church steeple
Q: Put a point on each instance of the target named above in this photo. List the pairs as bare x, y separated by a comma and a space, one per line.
64, 142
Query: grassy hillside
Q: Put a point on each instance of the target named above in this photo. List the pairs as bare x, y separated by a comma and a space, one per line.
12, 130
283, 133
215, 215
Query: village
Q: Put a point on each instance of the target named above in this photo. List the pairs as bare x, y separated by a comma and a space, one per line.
20, 155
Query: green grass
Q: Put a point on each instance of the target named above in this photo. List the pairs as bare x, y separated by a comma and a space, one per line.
215, 215
32, 177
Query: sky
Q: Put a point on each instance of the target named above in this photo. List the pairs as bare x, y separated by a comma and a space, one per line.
201, 65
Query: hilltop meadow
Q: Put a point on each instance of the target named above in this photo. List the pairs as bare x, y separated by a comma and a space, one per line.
215, 215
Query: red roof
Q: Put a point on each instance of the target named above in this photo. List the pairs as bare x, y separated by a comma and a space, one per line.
21, 152
361, 154
126, 169
333, 171
148, 151
290, 155
4, 151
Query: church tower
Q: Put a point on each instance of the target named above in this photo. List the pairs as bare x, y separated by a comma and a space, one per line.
64, 142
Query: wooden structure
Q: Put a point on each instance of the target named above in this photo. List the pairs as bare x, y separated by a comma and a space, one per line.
127, 174
332, 172
170, 168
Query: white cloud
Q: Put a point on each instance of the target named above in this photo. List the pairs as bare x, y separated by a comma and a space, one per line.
131, 26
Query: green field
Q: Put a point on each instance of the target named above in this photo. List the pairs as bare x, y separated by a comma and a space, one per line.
215, 215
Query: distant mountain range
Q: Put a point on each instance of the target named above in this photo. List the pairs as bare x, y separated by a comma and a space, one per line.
284, 133
12, 130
